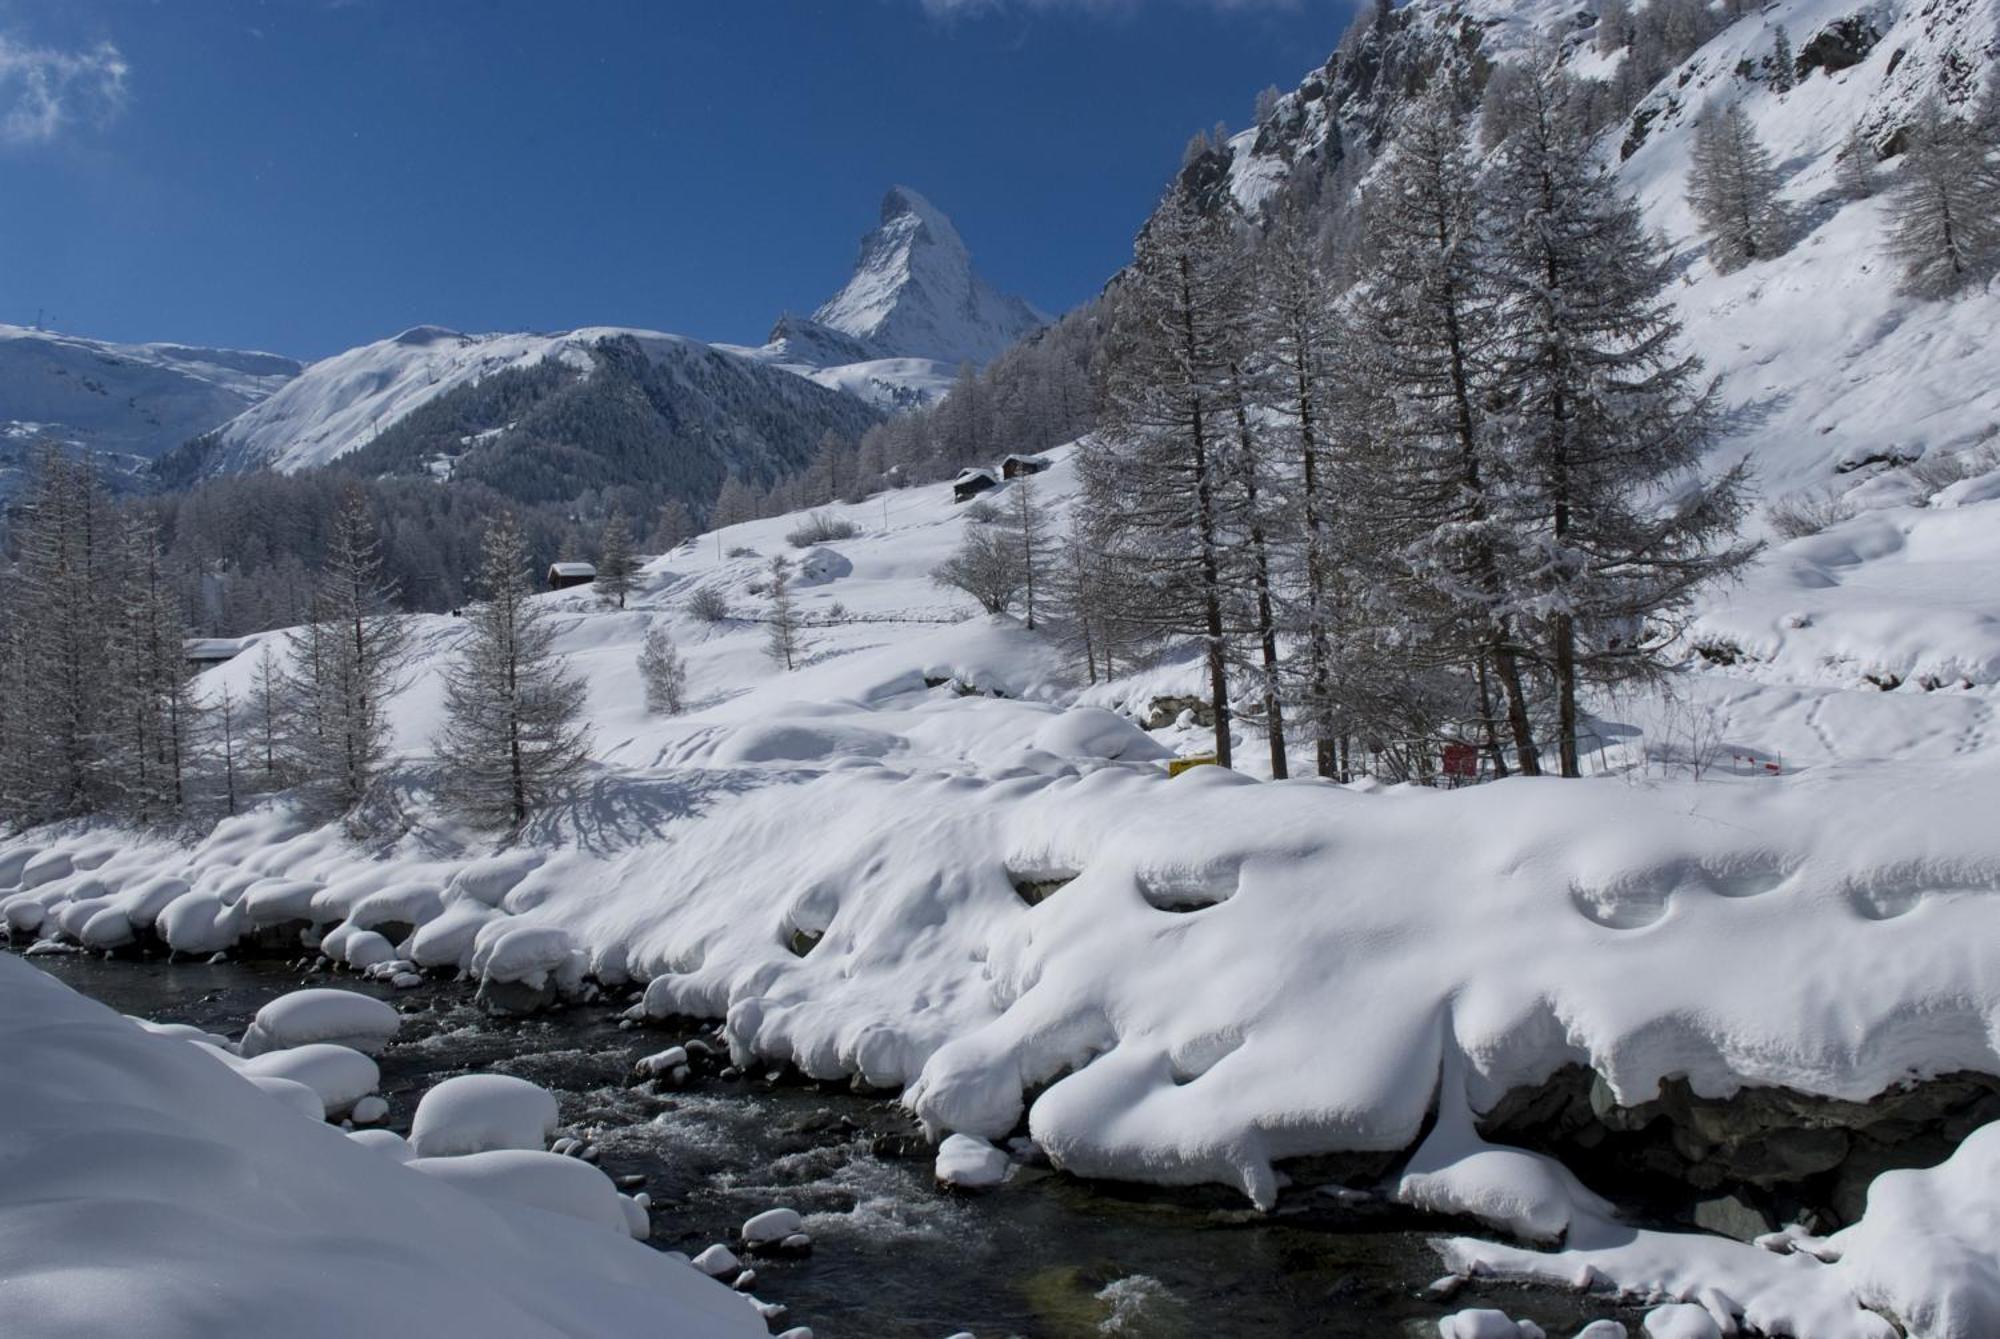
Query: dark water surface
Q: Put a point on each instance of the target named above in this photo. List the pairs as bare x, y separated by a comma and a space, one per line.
894, 1257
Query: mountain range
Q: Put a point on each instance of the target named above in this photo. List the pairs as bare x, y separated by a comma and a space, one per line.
893, 337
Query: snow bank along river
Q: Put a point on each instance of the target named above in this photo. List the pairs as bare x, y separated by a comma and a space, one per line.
893, 1255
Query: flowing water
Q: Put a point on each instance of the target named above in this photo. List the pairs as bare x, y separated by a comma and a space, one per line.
894, 1256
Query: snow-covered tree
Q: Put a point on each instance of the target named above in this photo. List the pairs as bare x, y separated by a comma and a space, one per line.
1155, 474
1028, 532
1733, 189
673, 525
663, 672
1605, 414
513, 734
1290, 326
1421, 375
227, 726
1783, 73
617, 569
1857, 164
59, 610
1614, 27
346, 662
153, 711
1944, 226
1080, 593
735, 504
270, 708
986, 565
784, 644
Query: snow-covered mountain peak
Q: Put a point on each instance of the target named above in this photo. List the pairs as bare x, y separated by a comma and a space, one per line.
424, 336
915, 294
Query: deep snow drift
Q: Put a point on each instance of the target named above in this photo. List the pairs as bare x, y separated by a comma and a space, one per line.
146, 1191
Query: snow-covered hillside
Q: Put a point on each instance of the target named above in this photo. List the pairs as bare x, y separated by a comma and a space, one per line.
919, 859
343, 402
1839, 387
135, 400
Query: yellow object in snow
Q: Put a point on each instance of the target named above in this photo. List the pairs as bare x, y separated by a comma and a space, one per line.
1175, 766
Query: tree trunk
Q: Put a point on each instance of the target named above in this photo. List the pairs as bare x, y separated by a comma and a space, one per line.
1508, 666
1267, 631
1488, 722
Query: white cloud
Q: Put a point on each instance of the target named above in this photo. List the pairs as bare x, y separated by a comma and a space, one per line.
43, 90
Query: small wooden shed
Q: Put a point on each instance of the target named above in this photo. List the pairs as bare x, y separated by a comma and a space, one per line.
971, 483
1014, 467
564, 575
202, 653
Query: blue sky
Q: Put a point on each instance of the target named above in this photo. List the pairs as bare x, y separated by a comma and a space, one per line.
303, 176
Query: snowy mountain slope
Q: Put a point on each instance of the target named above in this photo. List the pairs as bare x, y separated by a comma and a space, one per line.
1835, 381
841, 362
753, 419
340, 403
126, 399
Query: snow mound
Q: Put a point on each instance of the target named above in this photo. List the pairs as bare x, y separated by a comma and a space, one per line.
970, 1164
1093, 732
477, 1113
535, 1179
343, 1017
338, 1075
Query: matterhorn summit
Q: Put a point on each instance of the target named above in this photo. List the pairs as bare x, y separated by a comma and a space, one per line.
914, 294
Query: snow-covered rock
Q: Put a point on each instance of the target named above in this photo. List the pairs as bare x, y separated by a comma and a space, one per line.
717, 1261
970, 1163
1485, 1323
386, 1142
343, 1017
475, 1113
338, 1075
662, 1062
1680, 1320
772, 1226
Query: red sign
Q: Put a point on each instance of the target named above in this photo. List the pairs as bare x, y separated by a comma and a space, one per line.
1461, 762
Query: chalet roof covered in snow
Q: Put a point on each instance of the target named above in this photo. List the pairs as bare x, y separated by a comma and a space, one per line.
214, 650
